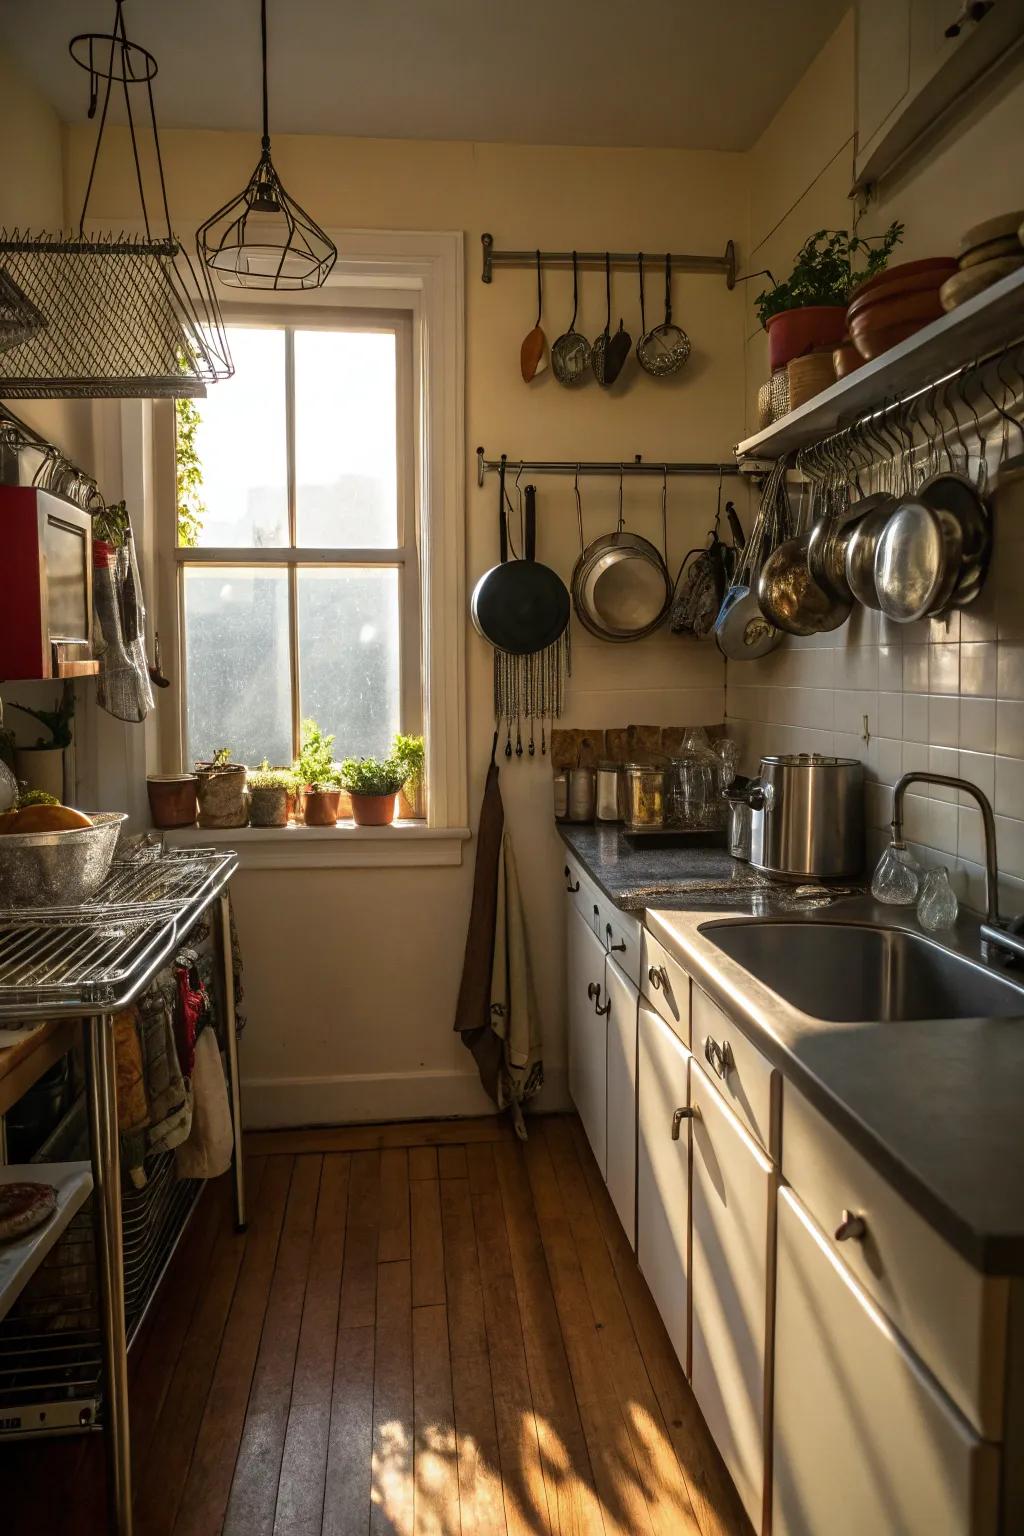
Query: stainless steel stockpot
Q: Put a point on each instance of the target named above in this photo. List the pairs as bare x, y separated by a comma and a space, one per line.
808, 817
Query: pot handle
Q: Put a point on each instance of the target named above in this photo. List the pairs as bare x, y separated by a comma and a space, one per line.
502, 518
530, 534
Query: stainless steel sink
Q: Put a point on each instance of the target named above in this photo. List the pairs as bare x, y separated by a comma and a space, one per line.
851, 972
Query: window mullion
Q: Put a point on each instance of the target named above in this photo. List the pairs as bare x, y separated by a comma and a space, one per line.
293, 604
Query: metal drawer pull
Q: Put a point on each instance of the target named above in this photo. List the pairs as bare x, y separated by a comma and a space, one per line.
852, 1227
571, 887
614, 948
718, 1057
594, 993
658, 977
678, 1118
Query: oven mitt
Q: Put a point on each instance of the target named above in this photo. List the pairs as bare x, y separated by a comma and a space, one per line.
207, 1152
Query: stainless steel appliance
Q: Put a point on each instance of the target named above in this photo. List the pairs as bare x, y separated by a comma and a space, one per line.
807, 817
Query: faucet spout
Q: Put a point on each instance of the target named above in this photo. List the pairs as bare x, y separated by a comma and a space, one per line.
988, 822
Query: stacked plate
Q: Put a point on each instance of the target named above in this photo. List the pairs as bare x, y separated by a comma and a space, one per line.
988, 252
899, 301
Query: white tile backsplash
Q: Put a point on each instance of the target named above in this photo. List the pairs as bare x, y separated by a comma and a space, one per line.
945, 696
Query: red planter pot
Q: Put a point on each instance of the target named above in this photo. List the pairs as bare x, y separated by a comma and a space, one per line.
373, 810
793, 332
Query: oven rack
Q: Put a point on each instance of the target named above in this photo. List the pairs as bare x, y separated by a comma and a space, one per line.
98, 956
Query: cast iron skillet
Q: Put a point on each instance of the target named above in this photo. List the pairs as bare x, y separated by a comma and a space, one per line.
519, 606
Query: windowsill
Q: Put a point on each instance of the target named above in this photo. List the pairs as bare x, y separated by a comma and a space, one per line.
344, 846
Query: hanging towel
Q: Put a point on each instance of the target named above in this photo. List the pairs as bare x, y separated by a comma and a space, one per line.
496, 1013
207, 1152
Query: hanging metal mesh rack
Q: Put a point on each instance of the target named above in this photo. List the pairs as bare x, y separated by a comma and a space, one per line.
109, 315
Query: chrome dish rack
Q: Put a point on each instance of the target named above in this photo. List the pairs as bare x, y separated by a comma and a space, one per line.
91, 961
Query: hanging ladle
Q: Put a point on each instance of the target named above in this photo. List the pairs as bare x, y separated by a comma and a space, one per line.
599, 351
570, 355
663, 349
533, 354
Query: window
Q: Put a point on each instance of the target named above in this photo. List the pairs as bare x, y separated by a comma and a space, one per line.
298, 581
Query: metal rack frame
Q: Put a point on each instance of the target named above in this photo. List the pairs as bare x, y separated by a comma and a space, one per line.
625, 467
94, 960
595, 260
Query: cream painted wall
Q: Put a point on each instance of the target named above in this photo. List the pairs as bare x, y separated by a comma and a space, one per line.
352, 974
947, 694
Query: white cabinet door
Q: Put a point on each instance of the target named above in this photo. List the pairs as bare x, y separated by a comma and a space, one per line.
588, 1033
863, 1440
663, 1175
733, 1210
620, 1175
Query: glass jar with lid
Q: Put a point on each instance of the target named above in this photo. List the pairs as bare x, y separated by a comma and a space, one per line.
694, 789
644, 809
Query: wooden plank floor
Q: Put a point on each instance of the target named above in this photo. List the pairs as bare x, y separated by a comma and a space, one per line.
428, 1330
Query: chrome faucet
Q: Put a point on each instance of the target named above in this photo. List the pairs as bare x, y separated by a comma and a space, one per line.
994, 935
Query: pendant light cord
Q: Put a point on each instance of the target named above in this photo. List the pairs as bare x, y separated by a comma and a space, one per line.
263, 35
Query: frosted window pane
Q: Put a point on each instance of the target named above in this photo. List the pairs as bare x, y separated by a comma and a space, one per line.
242, 446
349, 657
236, 655
345, 464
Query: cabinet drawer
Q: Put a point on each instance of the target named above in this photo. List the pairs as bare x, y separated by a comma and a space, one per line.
863, 1441
950, 1314
732, 1194
665, 986
663, 1176
580, 890
588, 1033
746, 1080
622, 935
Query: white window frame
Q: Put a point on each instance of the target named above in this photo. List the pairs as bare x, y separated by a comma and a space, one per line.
422, 275
292, 557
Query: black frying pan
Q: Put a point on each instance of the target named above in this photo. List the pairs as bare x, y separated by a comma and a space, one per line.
519, 606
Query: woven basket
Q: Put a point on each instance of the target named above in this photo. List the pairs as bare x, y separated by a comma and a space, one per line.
808, 376
773, 399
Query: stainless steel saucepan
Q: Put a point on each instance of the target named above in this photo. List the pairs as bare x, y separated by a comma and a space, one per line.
621, 588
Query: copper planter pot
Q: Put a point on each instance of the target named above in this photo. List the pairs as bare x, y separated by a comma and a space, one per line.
373, 810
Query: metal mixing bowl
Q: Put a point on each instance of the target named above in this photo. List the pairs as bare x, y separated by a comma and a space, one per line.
58, 869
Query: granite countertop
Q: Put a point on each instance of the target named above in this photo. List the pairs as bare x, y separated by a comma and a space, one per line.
934, 1104
677, 879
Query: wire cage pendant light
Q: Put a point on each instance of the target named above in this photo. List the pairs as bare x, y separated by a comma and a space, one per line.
262, 238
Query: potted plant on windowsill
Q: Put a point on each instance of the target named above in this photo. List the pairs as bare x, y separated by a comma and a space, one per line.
269, 789
412, 798
220, 787
317, 775
807, 312
373, 783
41, 766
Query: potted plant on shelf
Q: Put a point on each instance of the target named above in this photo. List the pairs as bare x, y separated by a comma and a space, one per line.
220, 786
317, 775
269, 790
373, 783
412, 798
807, 313
41, 766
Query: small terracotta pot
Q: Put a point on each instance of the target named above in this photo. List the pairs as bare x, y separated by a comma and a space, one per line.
794, 332
321, 807
222, 797
172, 799
373, 810
268, 807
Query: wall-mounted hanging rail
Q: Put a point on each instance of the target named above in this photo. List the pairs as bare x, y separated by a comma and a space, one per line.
587, 260
634, 466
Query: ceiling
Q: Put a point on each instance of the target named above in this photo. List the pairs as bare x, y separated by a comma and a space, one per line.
672, 73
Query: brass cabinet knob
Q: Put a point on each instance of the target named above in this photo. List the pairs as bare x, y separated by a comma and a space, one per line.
852, 1228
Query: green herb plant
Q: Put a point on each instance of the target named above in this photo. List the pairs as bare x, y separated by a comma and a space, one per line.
315, 767
828, 267
188, 475
35, 797
374, 775
410, 751
265, 777
57, 721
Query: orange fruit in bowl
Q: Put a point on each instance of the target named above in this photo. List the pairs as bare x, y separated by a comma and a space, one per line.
44, 818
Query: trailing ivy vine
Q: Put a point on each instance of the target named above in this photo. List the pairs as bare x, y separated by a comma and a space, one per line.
188, 474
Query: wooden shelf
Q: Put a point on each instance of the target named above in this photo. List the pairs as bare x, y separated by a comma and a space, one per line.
20, 1260
980, 326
